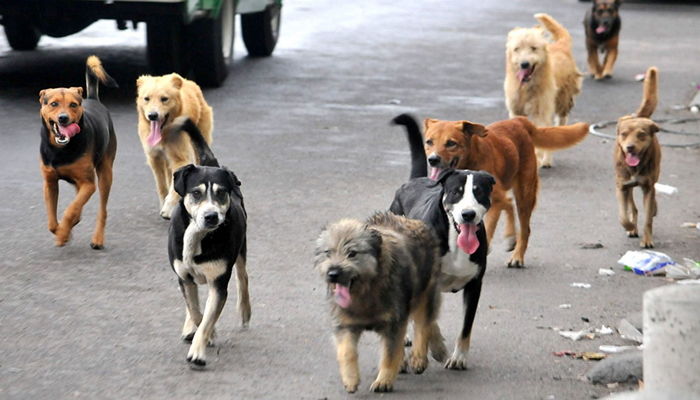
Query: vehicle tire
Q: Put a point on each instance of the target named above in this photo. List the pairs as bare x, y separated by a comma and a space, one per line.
211, 43
167, 46
20, 33
261, 30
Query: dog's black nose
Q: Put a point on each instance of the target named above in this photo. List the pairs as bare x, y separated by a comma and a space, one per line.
63, 118
153, 116
434, 160
333, 274
211, 218
525, 65
468, 215
630, 148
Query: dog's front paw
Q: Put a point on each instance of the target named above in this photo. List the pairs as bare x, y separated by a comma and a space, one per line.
515, 263
62, 235
418, 364
196, 358
457, 361
381, 386
96, 246
351, 387
53, 226
632, 234
646, 244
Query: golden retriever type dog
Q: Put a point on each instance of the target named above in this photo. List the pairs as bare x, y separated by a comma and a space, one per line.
506, 150
541, 76
161, 99
637, 158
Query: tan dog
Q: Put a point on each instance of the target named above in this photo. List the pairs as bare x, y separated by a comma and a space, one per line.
637, 158
541, 77
161, 99
506, 150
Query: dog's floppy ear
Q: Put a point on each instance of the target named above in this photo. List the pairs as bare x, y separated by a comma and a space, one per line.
78, 90
653, 128
488, 178
42, 100
470, 128
375, 241
180, 178
177, 81
232, 178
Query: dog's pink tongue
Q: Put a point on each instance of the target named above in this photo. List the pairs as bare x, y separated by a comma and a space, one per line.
632, 160
467, 240
434, 173
69, 130
600, 29
342, 295
154, 137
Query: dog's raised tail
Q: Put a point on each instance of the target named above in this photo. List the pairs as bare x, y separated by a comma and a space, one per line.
419, 164
204, 153
651, 94
560, 34
94, 74
557, 137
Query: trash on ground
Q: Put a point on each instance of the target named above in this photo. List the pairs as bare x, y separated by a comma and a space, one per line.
665, 189
645, 262
589, 246
586, 355
639, 77
604, 330
581, 285
565, 306
629, 332
689, 282
585, 319
395, 101
695, 225
578, 335
690, 269
694, 103
606, 271
608, 348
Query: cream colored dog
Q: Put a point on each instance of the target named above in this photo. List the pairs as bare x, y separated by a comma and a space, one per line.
161, 99
541, 76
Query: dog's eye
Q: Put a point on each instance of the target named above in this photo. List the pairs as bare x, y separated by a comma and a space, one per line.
450, 143
54, 104
164, 99
74, 105
352, 253
220, 195
429, 142
533, 48
146, 99
516, 49
642, 136
196, 194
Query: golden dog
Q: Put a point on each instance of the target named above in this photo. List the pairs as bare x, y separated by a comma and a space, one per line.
161, 99
541, 77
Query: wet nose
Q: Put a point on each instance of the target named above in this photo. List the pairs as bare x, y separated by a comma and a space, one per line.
153, 116
211, 218
468, 215
434, 160
524, 65
630, 148
63, 118
333, 274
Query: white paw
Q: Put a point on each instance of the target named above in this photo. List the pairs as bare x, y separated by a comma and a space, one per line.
458, 360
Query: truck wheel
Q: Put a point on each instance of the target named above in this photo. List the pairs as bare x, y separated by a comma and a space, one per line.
261, 30
211, 41
167, 46
21, 35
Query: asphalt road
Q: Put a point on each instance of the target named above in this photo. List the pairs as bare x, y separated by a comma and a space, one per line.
307, 133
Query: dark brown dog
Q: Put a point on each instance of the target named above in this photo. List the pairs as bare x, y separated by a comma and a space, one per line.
638, 161
602, 25
77, 142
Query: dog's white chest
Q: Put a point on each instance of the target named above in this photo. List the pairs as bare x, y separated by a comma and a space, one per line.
201, 273
457, 269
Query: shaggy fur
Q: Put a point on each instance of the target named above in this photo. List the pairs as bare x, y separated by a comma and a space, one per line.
161, 99
637, 158
541, 76
380, 273
602, 26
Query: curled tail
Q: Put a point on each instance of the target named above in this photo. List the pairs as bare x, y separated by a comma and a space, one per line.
94, 74
651, 95
204, 153
560, 34
419, 165
556, 137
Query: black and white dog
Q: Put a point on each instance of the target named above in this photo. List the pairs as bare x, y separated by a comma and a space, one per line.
454, 205
207, 237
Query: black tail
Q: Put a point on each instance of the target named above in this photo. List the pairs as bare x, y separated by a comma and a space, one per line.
204, 153
419, 164
94, 74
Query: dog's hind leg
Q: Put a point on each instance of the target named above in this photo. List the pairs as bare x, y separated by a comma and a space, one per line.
346, 352
392, 358
159, 167
525, 199
216, 299
193, 315
471, 294
509, 233
649, 212
424, 330
104, 184
243, 301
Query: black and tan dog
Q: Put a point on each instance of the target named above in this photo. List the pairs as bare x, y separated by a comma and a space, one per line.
207, 238
602, 25
77, 143
637, 158
381, 273
454, 206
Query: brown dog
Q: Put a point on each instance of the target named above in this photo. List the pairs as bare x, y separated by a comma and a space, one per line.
77, 142
602, 25
505, 149
637, 158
